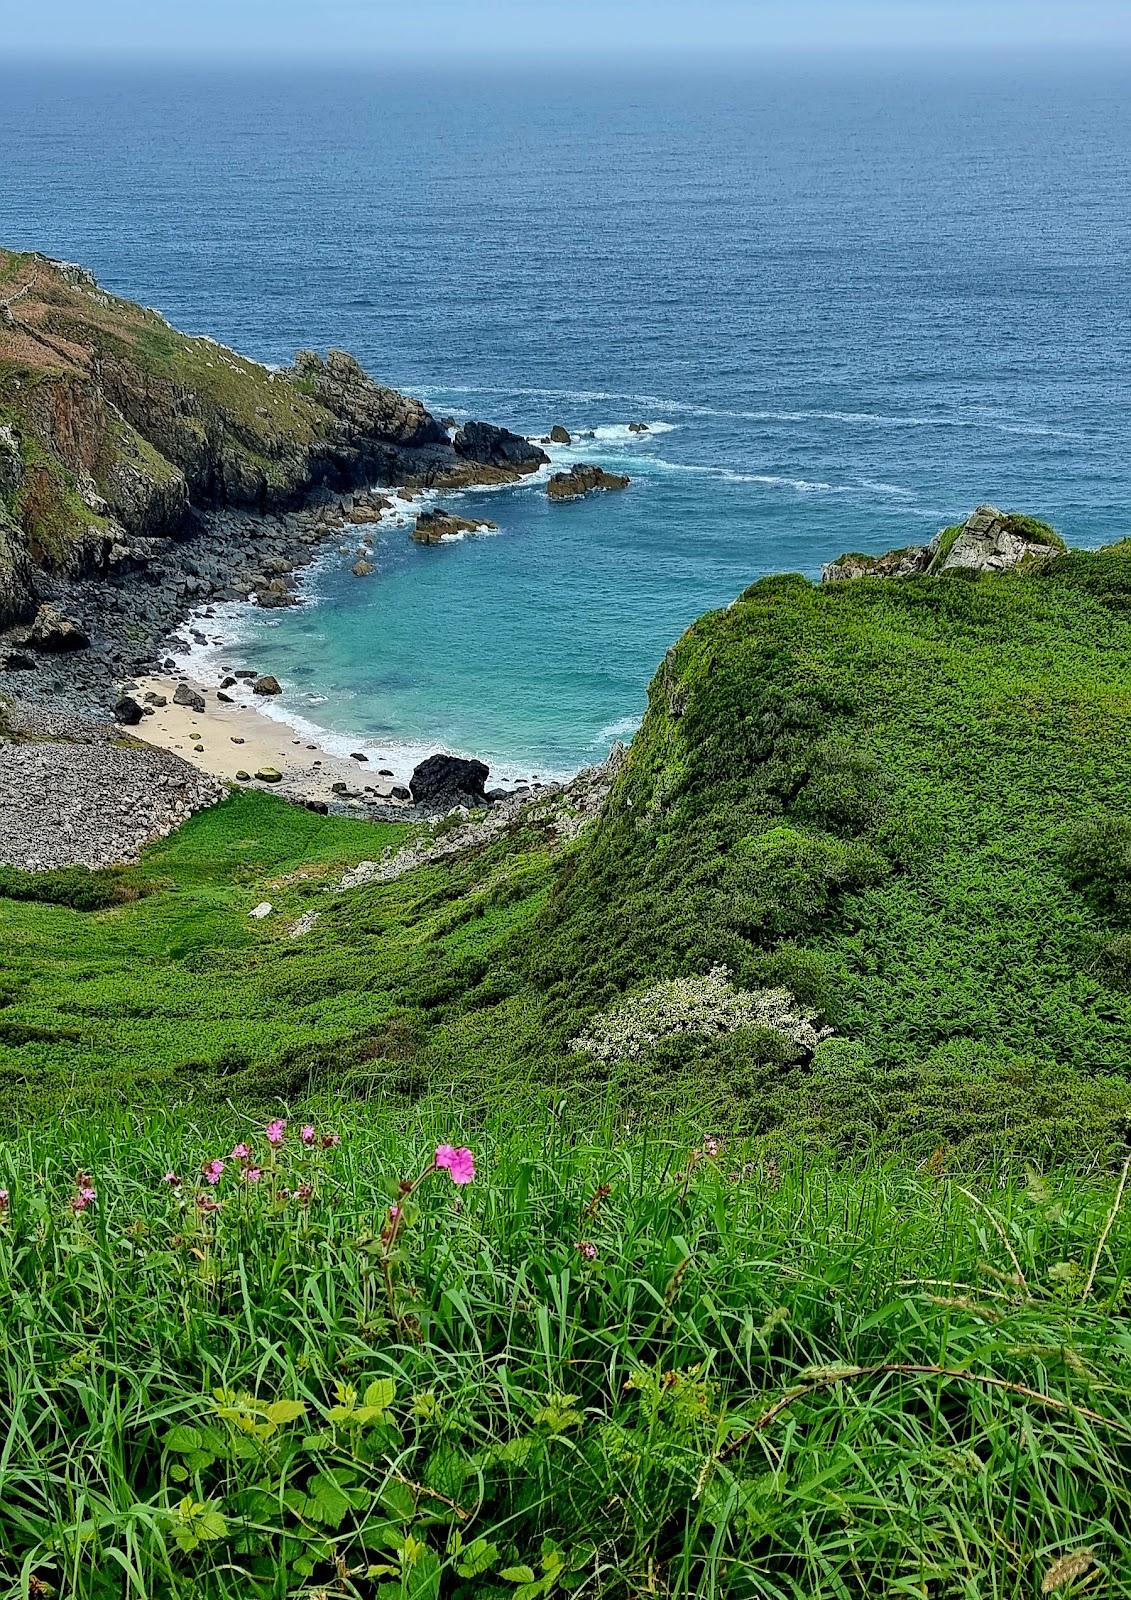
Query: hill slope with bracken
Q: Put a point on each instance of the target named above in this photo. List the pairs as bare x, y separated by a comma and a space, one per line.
865, 874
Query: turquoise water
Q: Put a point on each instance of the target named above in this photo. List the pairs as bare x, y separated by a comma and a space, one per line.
860, 300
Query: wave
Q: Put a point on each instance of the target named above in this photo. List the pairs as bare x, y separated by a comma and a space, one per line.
622, 728
976, 418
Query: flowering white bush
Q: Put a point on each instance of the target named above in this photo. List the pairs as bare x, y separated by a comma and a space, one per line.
708, 1005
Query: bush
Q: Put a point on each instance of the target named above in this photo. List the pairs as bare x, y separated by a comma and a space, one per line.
76, 887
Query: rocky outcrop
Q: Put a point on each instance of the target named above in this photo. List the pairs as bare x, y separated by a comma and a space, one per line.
488, 446
560, 435
53, 633
988, 541
117, 431
583, 479
432, 527
449, 781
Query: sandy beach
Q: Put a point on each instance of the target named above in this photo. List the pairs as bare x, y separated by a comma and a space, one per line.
235, 742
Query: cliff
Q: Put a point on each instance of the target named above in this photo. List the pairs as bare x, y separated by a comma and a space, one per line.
115, 427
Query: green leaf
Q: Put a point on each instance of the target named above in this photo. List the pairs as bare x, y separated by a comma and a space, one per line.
282, 1411
380, 1394
522, 1574
210, 1525
476, 1558
183, 1438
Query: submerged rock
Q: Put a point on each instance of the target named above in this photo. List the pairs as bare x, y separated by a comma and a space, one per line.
583, 479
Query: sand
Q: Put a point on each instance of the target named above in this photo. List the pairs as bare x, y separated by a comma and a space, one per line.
226, 739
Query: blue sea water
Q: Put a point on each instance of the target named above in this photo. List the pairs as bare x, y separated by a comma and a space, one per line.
851, 301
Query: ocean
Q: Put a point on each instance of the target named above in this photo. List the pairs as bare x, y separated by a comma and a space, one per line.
850, 301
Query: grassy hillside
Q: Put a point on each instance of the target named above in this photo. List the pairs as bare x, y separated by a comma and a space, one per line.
908, 804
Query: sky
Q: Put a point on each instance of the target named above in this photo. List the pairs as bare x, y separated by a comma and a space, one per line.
372, 29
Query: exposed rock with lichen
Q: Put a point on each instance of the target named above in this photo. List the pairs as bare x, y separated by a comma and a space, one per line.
988, 541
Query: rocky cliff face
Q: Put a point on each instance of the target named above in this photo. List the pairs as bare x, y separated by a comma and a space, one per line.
988, 541
114, 428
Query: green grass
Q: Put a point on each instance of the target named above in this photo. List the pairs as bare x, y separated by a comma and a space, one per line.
739, 1395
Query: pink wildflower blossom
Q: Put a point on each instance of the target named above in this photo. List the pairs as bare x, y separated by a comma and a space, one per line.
587, 1249
711, 1146
251, 1174
213, 1170
331, 1140
240, 1152
308, 1134
276, 1131
459, 1164
303, 1193
172, 1180
3, 1201
83, 1198
394, 1213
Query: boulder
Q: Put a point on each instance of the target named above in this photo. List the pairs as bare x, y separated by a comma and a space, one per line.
560, 435
490, 446
893, 564
399, 792
988, 541
267, 685
583, 479
362, 568
18, 661
242, 776
432, 527
184, 696
127, 711
638, 427
52, 633
449, 781
269, 775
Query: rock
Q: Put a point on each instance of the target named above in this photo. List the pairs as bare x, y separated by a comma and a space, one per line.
894, 564
52, 633
363, 569
448, 780
339, 788
237, 739
269, 775
227, 681
399, 792
242, 776
323, 810
385, 772
358, 755
583, 479
152, 698
432, 527
638, 427
988, 541
225, 699
267, 685
560, 435
263, 909
127, 711
183, 695
490, 446
18, 661
246, 672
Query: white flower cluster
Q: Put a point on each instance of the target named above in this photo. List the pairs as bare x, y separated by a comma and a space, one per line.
709, 1005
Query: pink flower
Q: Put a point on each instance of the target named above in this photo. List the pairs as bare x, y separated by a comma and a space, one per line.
303, 1193
394, 1213
3, 1199
276, 1131
711, 1146
308, 1135
240, 1152
213, 1170
172, 1180
84, 1198
251, 1174
587, 1249
459, 1164
330, 1140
